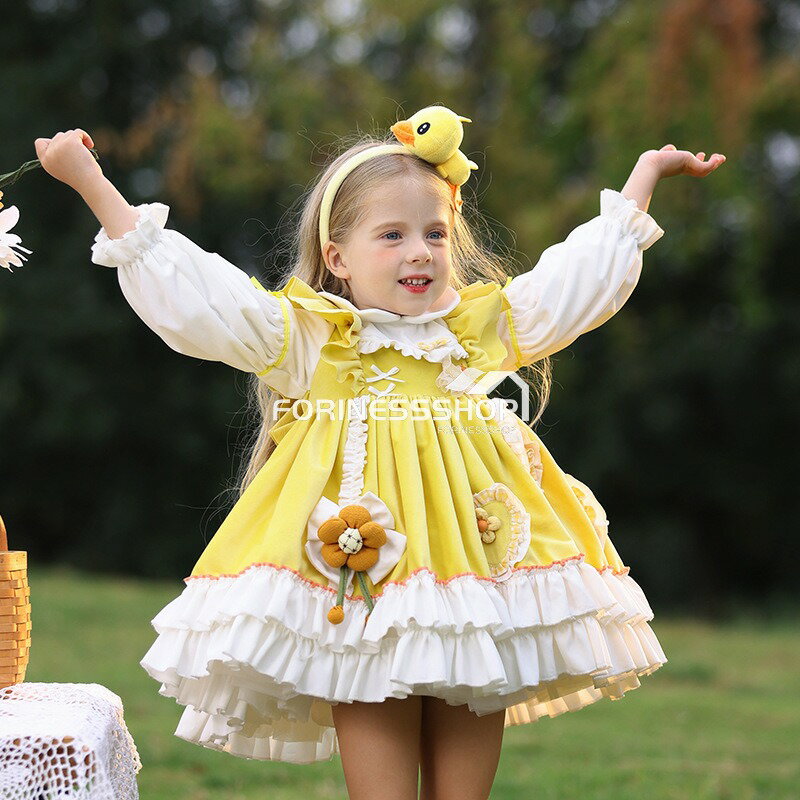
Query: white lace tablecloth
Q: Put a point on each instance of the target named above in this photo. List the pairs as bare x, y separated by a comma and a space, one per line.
65, 740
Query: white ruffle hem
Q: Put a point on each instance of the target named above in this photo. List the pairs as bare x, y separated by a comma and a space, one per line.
257, 664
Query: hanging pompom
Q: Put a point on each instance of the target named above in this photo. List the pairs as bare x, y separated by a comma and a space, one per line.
336, 614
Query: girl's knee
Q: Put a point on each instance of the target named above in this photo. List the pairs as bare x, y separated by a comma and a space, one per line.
379, 747
460, 751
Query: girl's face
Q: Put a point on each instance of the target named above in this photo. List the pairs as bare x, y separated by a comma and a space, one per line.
404, 234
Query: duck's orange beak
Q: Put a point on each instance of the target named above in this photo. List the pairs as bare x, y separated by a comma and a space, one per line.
404, 132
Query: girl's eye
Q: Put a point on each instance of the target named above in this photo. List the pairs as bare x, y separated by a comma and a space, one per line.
439, 234
392, 234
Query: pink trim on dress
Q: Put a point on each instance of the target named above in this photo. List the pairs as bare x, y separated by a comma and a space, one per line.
623, 571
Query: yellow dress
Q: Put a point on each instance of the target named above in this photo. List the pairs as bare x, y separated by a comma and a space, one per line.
494, 582
541, 620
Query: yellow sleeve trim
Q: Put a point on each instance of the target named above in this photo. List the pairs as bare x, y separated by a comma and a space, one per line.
286, 330
513, 333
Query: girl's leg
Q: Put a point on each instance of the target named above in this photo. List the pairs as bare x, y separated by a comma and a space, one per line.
459, 751
379, 745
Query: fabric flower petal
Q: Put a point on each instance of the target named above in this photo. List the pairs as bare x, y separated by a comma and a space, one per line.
314, 552
334, 555
330, 530
388, 554
374, 535
363, 560
354, 515
322, 512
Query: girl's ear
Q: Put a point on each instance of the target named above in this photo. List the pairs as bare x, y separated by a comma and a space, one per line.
333, 258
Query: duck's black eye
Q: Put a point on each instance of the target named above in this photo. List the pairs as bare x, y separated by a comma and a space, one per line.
424, 128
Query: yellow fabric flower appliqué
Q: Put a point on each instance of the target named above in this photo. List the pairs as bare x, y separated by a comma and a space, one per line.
591, 506
520, 438
505, 528
534, 455
487, 525
432, 344
350, 540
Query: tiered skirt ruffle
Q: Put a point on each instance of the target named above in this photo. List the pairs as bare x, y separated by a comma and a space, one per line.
257, 664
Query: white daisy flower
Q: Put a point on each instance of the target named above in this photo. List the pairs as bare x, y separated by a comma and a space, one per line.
10, 243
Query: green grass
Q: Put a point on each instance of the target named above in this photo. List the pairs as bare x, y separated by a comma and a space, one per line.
720, 721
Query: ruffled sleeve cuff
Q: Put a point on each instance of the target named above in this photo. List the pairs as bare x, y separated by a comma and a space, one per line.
580, 283
134, 243
632, 219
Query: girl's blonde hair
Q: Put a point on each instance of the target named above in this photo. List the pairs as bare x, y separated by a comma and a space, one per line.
471, 260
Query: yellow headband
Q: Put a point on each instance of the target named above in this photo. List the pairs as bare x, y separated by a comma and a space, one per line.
433, 134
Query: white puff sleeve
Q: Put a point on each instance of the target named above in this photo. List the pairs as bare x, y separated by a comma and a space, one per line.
579, 283
203, 306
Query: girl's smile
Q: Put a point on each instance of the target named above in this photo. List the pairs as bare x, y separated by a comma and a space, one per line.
418, 284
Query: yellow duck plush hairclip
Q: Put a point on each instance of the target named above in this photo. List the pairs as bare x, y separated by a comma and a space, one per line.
434, 134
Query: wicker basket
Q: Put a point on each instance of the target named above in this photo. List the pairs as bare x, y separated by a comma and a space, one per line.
15, 613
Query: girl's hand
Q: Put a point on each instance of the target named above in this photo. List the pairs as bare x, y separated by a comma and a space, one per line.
66, 157
669, 161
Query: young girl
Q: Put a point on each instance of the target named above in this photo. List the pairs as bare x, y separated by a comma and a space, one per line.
407, 571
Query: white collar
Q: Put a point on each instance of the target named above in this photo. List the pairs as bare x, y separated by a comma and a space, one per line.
381, 315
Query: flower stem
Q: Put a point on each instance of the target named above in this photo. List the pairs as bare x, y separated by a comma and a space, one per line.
11, 177
365, 591
342, 582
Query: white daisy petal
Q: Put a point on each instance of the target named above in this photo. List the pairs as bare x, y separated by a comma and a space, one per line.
9, 217
11, 248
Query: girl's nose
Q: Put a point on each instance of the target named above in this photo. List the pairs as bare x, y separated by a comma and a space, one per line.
419, 252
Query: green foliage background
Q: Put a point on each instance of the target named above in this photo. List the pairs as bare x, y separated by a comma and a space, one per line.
119, 455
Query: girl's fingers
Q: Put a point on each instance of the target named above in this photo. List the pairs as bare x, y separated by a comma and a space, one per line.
85, 137
40, 146
713, 162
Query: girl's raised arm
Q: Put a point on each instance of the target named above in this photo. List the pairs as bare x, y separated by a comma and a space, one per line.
579, 283
200, 304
